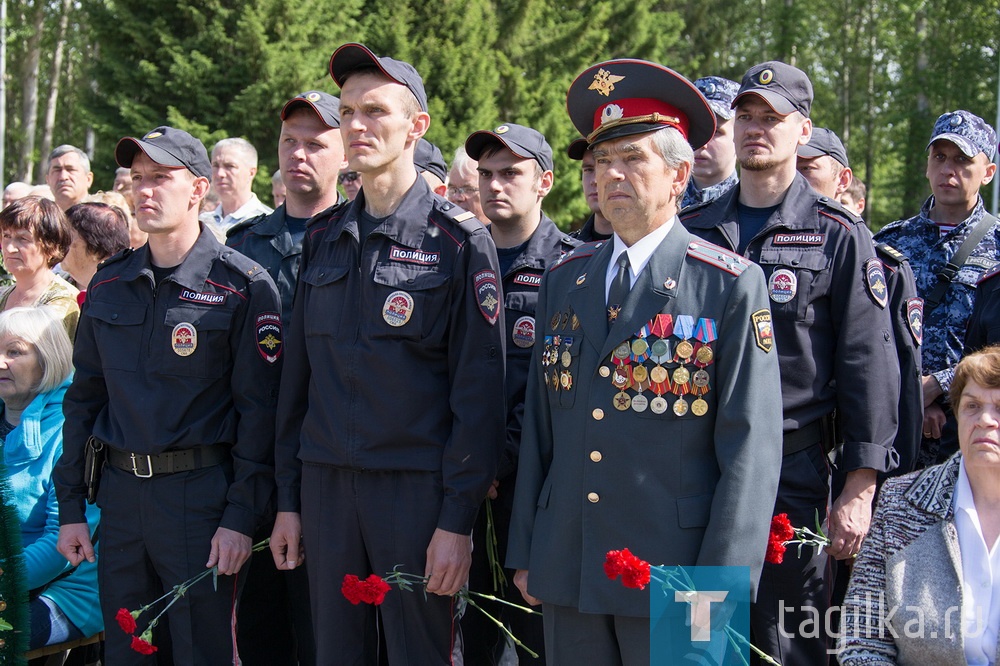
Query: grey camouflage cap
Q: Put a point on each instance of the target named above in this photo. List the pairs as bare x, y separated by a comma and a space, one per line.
720, 94
969, 132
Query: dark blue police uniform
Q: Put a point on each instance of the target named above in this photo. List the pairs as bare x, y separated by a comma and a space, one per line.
392, 413
177, 375
835, 349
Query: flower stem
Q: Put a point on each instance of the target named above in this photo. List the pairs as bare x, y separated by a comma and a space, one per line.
490, 597
503, 628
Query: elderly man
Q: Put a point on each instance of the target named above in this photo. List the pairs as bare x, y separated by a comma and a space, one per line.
275, 626
654, 355
177, 362
833, 335
463, 184
391, 418
951, 244
15, 191
69, 176
234, 165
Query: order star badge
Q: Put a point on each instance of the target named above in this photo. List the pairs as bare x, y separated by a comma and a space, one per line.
604, 82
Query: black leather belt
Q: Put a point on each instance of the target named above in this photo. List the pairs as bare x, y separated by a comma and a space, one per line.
806, 436
146, 466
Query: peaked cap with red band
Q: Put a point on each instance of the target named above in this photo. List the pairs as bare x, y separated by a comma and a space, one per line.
623, 97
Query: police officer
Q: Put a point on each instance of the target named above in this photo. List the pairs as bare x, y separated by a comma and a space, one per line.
714, 170
430, 165
596, 227
177, 363
824, 163
952, 219
833, 335
515, 175
627, 438
274, 624
391, 416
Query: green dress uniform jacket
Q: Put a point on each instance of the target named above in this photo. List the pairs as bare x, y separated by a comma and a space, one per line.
675, 490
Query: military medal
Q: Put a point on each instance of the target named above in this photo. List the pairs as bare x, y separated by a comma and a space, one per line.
699, 407
554, 352
680, 406
574, 322
680, 389
658, 374
640, 374
622, 401
700, 380
662, 326
565, 321
705, 333
184, 339
681, 376
640, 350
566, 357
622, 377
566, 380
640, 403
683, 329
658, 405
659, 351
555, 380
622, 354
554, 321
546, 350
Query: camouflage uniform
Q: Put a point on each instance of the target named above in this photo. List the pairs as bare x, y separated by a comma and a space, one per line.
695, 195
944, 328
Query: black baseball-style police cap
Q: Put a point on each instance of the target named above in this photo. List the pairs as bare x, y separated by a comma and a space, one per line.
783, 87
524, 142
326, 106
619, 98
350, 57
824, 142
167, 146
428, 157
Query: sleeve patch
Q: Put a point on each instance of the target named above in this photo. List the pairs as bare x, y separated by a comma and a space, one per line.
875, 282
915, 318
762, 331
487, 289
269, 337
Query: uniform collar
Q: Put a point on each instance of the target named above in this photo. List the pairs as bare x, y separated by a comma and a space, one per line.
407, 225
193, 271
977, 214
539, 247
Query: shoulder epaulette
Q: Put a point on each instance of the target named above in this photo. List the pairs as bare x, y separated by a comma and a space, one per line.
331, 213
466, 220
694, 209
891, 252
570, 241
118, 256
718, 257
242, 264
990, 273
579, 252
245, 224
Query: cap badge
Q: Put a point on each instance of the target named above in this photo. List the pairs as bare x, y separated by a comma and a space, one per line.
153, 135
312, 97
503, 129
709, 89
766, 77
611, 113
604, 82
955, 121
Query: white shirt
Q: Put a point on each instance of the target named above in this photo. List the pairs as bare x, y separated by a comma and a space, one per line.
638, 254
252, 208
980, 579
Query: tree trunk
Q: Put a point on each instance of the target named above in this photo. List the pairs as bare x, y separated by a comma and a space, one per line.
29, 89
50, 107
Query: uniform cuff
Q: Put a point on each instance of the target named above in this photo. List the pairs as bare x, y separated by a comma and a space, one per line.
944, 378
865, 455
239, 520
289, 499
72, 512
457, 518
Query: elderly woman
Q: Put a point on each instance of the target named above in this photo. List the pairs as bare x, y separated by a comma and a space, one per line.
34, 237
35, 367
930, 567
99, 231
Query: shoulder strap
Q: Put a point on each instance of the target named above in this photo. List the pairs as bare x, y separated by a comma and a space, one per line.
950, 269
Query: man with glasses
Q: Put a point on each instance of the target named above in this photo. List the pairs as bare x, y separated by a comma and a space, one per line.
350, 181
463, 184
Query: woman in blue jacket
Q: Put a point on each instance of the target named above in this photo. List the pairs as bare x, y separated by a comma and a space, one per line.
35, 368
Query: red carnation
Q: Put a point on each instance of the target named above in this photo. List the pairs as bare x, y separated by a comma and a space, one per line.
125, 620
614, 563
781, 531
142, 647
373, 590
352, 589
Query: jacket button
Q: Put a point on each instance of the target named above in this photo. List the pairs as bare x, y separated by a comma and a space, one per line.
598, 414
596, 456
593, 498
114, 316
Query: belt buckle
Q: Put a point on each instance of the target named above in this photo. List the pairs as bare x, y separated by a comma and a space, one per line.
149, 467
